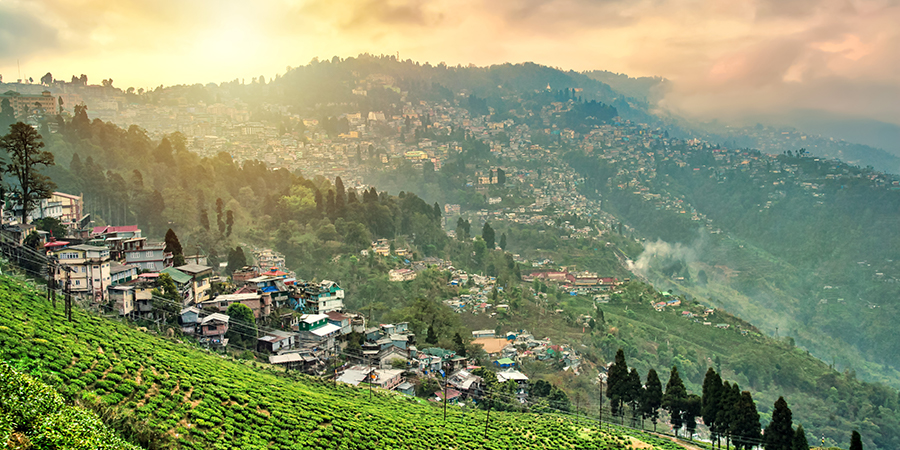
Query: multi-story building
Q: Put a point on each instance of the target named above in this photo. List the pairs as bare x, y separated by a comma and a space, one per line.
72, 207
148, 256
86, 268
200, 285
26, 105
322, 298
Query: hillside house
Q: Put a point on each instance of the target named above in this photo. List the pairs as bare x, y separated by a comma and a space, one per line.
86, 268
212, 330
147, 256
200, 285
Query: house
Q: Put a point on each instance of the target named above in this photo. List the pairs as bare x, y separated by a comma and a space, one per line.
85, 268
189, 318
251, 300
275, 341
401, 275
504, 363
246, 273
483, 334
491, 346
200, 280
406, 388
320, 298
453, 396
147, 256
315, 328
121, 273
386, 357
341, 320
182, 283
304, 360
520, 379
71, 206
467, 383
212, 330
122, 299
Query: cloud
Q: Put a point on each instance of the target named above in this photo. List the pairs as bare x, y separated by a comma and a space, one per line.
22, 33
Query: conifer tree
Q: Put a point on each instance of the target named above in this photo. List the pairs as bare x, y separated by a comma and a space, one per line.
693, 406
780, 433
616, 383
503, 241
711, 400
633, 394
652, 400
856, 441
800, 442
339, 194
173, 246
487, 233
674, 398
730, 395
745, 428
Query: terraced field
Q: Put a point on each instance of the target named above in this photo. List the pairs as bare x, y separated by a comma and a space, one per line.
186, 397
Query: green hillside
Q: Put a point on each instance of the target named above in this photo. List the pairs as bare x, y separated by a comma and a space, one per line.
190, 398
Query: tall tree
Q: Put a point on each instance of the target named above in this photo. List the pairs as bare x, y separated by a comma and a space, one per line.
674, 398
503, 241
339, 194
617, 383
236, 260
220, 224
436, 211
780, 432
693, 405
229, 222
7, 114
24, 144
320, 202
633, 393
730, 395
487, 233
800, 442
855, 441
204, 219
745, 428
711, 400
174, 246
652, 397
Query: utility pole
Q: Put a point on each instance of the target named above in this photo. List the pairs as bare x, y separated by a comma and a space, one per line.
445, 399
51, 283
600, 414
68, 293
333, 362
487, 420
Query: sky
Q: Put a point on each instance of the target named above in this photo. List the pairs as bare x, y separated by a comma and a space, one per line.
725, 59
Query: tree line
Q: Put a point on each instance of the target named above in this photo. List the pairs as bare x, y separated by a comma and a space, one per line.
729, 413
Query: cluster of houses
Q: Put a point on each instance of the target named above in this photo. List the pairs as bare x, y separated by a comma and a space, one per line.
508, 351
574, 280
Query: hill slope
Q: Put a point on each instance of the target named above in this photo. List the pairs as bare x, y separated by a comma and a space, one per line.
200, 400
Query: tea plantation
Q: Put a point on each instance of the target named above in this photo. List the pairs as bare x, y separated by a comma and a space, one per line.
185, 397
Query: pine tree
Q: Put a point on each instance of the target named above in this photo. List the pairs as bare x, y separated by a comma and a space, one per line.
652, 400
173, 246
437, 212
727, 400
616, 383
711, 400
780, 433
431, 337
674, 398
745, 428
320, 202
633, 394
800, 442
487, 233
693, 405
339, 194
855, 441
503, 241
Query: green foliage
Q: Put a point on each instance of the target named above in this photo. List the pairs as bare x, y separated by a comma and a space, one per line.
241, 325
780, 432
38, 412
196, 399
24, 146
